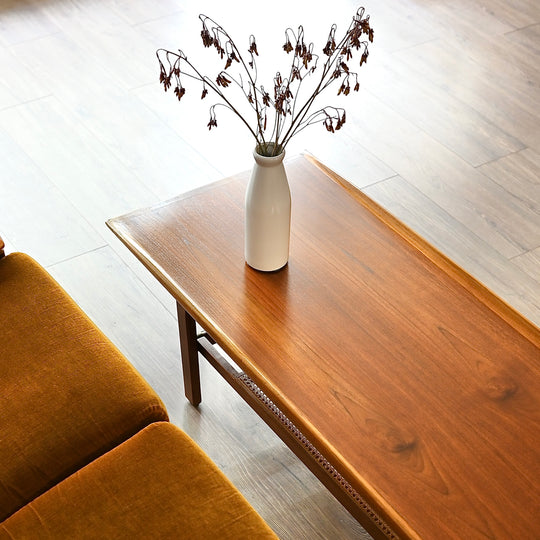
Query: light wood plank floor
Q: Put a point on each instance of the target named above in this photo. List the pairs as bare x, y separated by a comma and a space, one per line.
445, 133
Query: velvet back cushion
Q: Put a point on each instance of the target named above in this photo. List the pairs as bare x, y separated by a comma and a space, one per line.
67, 394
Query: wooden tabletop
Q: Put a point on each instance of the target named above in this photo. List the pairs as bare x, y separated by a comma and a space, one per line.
420, 386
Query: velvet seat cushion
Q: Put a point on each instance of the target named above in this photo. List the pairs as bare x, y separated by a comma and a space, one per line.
158, 484
67, 394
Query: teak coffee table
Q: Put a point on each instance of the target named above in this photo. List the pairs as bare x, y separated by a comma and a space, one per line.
406, 386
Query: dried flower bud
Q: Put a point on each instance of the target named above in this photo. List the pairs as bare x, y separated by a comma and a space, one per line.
341, 121
307, 58
252, 46
213, 122
345, 87
221, 80
204, 93
179, 91
364, 57
330, 46
207, 38
279, 102
165, 80
287, 47
347, 52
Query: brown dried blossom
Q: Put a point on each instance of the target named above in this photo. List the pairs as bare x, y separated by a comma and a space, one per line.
221, 80
213, 122
207, 38
330, 46
179, 91
290, 116
288, 47
253, 46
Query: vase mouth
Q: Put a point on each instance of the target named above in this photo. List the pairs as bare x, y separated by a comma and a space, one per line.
267, 161
269, 150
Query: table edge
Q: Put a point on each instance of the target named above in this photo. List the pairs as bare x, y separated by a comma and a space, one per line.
481, 292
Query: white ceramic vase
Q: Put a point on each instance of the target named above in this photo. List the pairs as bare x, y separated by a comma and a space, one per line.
267, 214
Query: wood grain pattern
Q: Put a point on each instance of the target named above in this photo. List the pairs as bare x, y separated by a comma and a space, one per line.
437, 113
425, 354
528, 36
519, 175
33, 209
84, 158
517, 13
530, 263
445, 61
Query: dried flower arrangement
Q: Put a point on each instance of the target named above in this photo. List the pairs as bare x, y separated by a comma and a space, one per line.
289, 116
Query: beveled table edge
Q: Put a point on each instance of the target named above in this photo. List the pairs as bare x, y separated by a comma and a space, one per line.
480, 291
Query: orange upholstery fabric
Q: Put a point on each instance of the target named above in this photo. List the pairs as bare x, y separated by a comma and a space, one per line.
67, 394
158, 484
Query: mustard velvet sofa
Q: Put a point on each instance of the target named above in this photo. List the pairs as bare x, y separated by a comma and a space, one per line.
86, 448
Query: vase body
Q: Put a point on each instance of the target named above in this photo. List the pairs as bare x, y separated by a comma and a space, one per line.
267, 214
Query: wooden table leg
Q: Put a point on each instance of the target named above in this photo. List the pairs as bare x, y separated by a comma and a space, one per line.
190, 357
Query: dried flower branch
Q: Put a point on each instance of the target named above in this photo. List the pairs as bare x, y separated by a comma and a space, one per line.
289, 116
